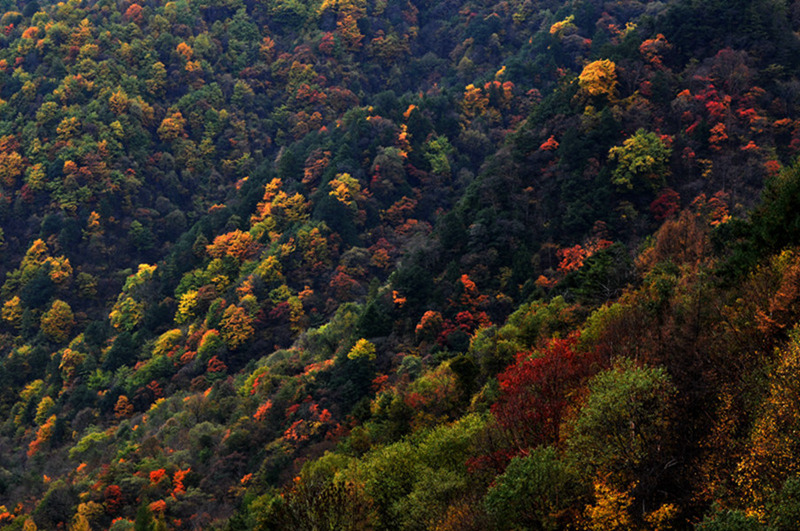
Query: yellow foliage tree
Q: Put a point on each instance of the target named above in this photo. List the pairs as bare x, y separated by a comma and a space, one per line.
172, 127
475, 102
167, 341
187, 306
345, 188
236, 326
118, 102
57, 322
363, 349
610, 511
126, 314
12, 312
771, 454
599, 78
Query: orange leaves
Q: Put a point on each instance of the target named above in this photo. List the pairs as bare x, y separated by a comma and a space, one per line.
714, 210
429, 325
315, 165
773, 167
261, 413
123, 408
172, 127
572, 258
177, 480
158, 507
236, 244
653, 49
551, 144
157, 476
216, 365
267, 49
30, 33
43, 435
185, 51
134, 13
718, 136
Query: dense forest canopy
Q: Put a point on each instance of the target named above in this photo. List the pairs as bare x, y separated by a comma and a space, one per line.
399, 264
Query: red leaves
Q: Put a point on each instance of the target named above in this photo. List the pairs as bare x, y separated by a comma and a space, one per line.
666, 205
113, 499
535, 391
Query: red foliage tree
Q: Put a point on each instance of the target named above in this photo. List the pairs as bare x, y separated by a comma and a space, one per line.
535, 391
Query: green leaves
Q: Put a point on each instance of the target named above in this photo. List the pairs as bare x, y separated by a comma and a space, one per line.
641, 159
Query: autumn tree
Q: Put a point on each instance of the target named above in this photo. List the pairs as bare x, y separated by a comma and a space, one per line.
599, 78
236, 326
642, 158
57, 322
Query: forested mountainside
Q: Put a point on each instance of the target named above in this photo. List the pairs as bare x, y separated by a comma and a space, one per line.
399, 264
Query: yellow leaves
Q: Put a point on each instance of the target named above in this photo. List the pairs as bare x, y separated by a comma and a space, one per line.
172, 127
11, 162
12, 312
363, 349
475, 102
118, 102
57, 322
187, 306
167, 341
270, 270
610, 510
158, 78
345, 188
599, 78
70, 360
236, 326
295, 208
35, 177
560, 28
68, 128
771, 453
126, 314
44, 409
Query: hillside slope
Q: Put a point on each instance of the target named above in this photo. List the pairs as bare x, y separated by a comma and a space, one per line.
379, 264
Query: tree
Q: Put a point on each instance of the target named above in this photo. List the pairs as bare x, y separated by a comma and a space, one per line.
363, 349
236, 326
641, 158
534, 392
599, 78
57, 322
536, 491
622, 433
